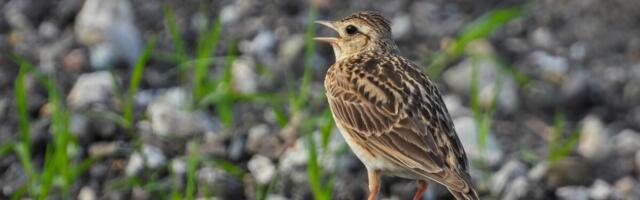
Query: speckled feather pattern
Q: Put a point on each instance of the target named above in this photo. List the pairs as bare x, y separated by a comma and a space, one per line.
393, 116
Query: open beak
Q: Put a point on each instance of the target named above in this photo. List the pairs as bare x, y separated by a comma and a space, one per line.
331, 40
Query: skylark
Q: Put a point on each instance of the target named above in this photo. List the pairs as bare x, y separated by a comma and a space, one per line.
391, 114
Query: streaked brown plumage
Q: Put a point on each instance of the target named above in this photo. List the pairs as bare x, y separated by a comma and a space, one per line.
390, 113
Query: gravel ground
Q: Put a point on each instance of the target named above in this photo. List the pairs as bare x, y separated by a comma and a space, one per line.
562, 70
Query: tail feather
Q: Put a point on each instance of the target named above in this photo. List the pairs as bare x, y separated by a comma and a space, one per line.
460, 195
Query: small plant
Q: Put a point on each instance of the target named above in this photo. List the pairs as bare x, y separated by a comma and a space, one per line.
560, 147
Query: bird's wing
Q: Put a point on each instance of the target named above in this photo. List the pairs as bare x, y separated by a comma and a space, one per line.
398, 112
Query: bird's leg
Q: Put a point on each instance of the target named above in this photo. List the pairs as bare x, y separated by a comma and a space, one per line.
422, 187
374, 183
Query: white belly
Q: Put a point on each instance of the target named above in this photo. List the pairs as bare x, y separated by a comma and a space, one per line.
377, 162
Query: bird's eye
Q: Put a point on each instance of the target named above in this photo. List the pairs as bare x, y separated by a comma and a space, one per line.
351, 29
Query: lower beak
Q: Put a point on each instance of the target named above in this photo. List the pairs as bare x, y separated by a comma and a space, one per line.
330, 40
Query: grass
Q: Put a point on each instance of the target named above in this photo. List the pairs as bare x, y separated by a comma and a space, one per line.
61, 165
560, 147
478, 29
134, 84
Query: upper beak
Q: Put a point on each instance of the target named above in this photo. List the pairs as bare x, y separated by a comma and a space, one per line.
326, 39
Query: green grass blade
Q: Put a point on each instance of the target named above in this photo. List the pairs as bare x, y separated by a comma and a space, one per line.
206, 44
480, 28
136, 77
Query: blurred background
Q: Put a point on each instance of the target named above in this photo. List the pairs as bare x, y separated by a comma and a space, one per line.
135, 99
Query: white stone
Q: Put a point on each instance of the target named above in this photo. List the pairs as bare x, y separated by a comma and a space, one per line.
261, 168
573, 193
244, 76
87, 193
135, 164
468, 133
154, 158
91, 89
594, 142
600, 190
503, 178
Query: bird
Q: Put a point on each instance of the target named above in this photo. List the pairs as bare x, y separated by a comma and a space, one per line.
389, 112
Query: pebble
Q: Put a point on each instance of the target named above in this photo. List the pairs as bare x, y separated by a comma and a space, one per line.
627, 142
134, 165
108, 28
102, 149
542, 37
488, 73
244, 76
91, 90
87, 193
400, 26
594, 142
517, 189
154, 158
503, 177
261, 168
262, 141
573, 193
170, 121
178, 166
468, 133
552, 67
600, 190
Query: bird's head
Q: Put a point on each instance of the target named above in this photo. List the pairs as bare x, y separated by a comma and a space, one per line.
359, 32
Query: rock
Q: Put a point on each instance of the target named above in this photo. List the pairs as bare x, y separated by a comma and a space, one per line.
79, 125
134, 165
568, 171
578, 51
244, 76
261, 168
594, 142
140, 193
455, 107
294, 160
552, 67
87, 193
74, 61
468, 133
263, 142
108, 28
517, 189
538, 172
400, 26
503, 178
91, 90
573, 193
236, 149
48, 30
626, 142
290, 50
178, 166
13, 177
542, 37
102, 149
276, 197
489, 74
230, 187
153, 156
627, 187
262, 43
601, 190
168, 120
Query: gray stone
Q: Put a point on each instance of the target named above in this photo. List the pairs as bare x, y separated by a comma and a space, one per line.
400, 26
87, 193
550, 65
178, 166
542, 37
290, 50
261, 168
110, 25
294, 159
538, 172
14, 176
244, 76
134, 165
594, 142
601, 190
517, 189
626, 142
153, 156
101, 149
489, 74
262, 141
91, 90
573, 193
79, 125
503, 177
468, 133
168, 119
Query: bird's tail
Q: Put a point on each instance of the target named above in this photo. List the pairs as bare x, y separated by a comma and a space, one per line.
469, 195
